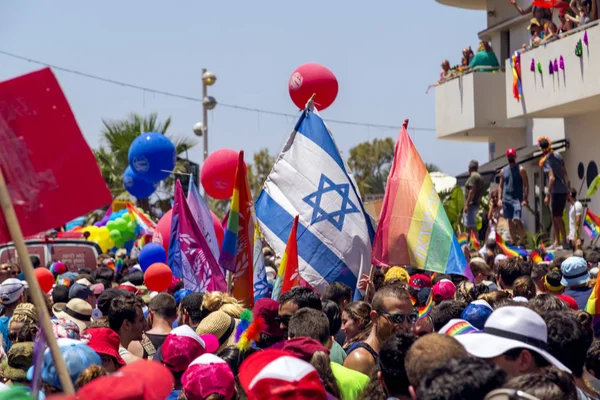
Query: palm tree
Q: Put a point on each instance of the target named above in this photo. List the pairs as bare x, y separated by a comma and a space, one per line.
432, 168
117, 135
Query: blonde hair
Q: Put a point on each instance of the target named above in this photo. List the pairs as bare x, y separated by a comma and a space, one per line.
217, 301
397, 273
91, 373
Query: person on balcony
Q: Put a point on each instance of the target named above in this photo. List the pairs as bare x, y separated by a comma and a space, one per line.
514, 192
485, 57
544, 15
558, 187
582, 11
474, 191
535, 30
565, 24
467, 57
445, 73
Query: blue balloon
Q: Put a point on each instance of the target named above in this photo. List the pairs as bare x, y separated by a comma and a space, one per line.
136, 186
150, 154
150, 254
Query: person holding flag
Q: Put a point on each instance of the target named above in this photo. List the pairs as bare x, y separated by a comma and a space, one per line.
513, 194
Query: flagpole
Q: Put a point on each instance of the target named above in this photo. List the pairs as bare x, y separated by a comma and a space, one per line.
37, 296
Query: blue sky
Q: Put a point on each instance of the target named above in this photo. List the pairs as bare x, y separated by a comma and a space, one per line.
383, 53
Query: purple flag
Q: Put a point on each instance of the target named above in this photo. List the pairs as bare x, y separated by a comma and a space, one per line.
38, 360
203, 218
190, 256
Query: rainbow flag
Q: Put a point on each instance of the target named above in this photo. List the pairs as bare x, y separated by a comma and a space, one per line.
549, 257
146, 226
426, 309
515, 64
474, 242
413, 227
535, 257
238, 245
591, 224
463, 239
593, 304
508, 250
288, 275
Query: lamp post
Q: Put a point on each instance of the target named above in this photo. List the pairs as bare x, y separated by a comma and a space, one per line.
208, 103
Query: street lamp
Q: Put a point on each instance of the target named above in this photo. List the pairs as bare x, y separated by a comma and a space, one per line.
208, 103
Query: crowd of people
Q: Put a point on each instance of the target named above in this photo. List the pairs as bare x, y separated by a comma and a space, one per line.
519, 329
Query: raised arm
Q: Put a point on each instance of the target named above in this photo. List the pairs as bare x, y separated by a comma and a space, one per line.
500, 188
519, 9
525, 179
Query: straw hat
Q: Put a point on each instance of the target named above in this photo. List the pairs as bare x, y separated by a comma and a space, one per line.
221, 325
76, 310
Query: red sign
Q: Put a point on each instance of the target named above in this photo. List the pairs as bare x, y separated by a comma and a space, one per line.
51, 172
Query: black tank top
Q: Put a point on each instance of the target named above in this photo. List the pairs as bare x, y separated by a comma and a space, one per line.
363, 345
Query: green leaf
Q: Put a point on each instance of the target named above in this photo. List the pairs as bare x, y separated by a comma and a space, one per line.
454, 205
593, 187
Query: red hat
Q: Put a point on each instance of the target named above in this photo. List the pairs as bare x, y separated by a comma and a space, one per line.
569, 300
269, 310
130, 287
141, 380
443, 290
181, 346
419, 281
277, 374
206, 375
511, 152
105, 341
304, 347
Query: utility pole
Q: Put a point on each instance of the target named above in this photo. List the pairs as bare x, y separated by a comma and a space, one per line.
208, 103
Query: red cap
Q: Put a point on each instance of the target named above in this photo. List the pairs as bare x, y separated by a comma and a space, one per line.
206, 375
419, 281
511, 152
269, 310
141, 380
276, 374
105, 341
569, 300
443, 290
304, 347
181, 346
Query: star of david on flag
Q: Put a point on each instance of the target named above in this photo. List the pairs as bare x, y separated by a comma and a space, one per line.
311, 180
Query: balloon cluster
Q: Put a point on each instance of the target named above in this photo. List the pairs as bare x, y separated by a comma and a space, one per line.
118, 230
152, 157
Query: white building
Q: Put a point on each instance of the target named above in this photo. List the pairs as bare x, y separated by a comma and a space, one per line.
564, 106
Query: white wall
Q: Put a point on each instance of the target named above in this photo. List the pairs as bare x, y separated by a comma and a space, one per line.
552, 128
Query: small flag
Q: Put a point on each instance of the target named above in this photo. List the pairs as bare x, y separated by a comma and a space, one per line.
424, 310
238, 246
591, 224
146, 226
287, 277
508, 250
463, 239
474, 242
535, 256
414, 228
261, 286
593, 304
515, 64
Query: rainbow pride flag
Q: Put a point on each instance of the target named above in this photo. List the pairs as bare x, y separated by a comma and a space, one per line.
591, 224
474, 242
146, 226
426, 309
535, 257
463, 239
413, 227
593, 304
288, 275
508, 250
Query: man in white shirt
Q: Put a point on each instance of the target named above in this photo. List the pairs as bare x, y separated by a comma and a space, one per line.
575, 218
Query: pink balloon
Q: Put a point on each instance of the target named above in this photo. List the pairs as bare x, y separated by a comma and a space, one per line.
309, 79
162, 234
219, 231
218, 173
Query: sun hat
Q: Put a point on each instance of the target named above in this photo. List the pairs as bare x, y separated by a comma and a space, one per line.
268, 309
443, 290
477, 312
11, 289
276, 374
20, 358
141, 380
76, 310
221, 325
78, 357
25, 312
79, 291
206, 375
511, 327
105, 341
396, 273
304, 347
419, 281
457, 326
181, 346
574, 272
63, 328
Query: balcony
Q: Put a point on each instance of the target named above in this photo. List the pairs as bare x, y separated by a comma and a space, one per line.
567, 92
472, 107
469, 4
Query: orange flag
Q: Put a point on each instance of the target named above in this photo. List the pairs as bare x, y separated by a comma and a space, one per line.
288, 276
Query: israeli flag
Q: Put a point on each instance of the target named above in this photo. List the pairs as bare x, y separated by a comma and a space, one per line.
311, 180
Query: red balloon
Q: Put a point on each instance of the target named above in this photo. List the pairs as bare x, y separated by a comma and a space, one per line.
162, 234
309, 79
157, 277
44, 278
218, 173
219, 231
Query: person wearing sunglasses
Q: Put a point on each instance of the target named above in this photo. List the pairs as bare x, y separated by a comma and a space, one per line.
392, 311
293, 300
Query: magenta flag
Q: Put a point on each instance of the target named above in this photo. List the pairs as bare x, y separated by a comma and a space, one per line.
190, 256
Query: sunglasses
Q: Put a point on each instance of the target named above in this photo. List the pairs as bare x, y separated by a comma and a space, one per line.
285, 320
399, 318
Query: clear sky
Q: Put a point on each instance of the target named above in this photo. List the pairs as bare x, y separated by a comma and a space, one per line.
384, 53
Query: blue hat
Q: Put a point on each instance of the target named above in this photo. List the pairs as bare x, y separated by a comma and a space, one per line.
476, 313
181, 294
79, 291
78, 357
574, 271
